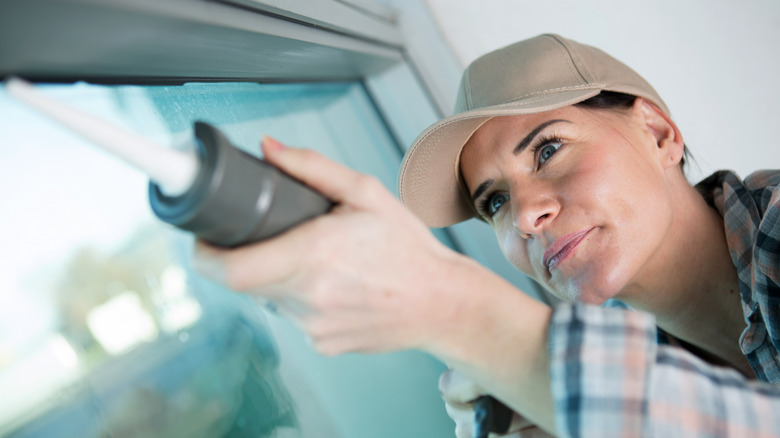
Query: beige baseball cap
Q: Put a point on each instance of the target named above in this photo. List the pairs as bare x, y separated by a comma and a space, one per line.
532, 76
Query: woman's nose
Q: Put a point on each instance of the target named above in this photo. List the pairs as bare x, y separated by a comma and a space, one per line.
533, 211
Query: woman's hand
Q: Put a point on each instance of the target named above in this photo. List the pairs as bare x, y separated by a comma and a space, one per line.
368, 276
459, 394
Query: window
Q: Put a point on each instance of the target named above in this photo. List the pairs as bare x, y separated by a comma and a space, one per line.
104, 328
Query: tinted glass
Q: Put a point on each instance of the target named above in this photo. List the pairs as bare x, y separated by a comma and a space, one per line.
106, 331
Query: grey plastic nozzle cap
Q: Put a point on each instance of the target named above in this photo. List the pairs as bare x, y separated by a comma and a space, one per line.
236, 198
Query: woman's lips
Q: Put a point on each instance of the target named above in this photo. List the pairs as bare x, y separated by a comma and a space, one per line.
562, 247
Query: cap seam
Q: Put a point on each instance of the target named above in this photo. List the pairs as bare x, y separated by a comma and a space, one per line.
592, 85
576, 65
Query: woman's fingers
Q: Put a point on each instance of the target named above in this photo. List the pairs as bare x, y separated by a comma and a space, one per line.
336, 182
463, 418
458, 390
366, 276
271, 262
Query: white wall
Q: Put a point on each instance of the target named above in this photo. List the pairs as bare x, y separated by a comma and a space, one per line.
714, 62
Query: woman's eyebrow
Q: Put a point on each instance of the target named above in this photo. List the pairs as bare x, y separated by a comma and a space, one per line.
481, 189
528, 138
520, 148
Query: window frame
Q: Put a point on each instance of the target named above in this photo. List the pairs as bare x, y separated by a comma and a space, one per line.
171, 41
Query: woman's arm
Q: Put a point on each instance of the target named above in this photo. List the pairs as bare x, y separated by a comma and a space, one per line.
370, 277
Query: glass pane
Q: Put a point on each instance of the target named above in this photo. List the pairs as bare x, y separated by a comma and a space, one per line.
106, 331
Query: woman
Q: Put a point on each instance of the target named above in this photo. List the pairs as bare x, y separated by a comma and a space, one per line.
574, 161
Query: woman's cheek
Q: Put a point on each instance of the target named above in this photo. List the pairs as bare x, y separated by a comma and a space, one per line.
514, 249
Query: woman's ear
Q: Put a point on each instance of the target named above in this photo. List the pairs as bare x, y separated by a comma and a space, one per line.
667, 136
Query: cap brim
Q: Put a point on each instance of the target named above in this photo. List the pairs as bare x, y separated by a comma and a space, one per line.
428, 183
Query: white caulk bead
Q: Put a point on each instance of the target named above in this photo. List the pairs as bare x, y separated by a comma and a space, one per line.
172, 170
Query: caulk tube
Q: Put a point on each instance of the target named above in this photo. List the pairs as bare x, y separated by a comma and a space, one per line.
218, 192
236, 198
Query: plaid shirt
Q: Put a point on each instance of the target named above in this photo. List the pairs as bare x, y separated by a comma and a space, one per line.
610, 377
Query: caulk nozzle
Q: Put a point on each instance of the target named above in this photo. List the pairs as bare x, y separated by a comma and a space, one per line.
172, 170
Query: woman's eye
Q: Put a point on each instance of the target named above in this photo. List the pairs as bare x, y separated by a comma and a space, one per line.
548, 150
495, 202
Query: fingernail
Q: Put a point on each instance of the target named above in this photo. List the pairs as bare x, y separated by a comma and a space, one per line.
272, 143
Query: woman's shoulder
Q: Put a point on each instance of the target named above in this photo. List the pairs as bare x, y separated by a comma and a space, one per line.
758, 180
764, 188
724, 190
768, 179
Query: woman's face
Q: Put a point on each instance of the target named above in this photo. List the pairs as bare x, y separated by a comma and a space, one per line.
579, 199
